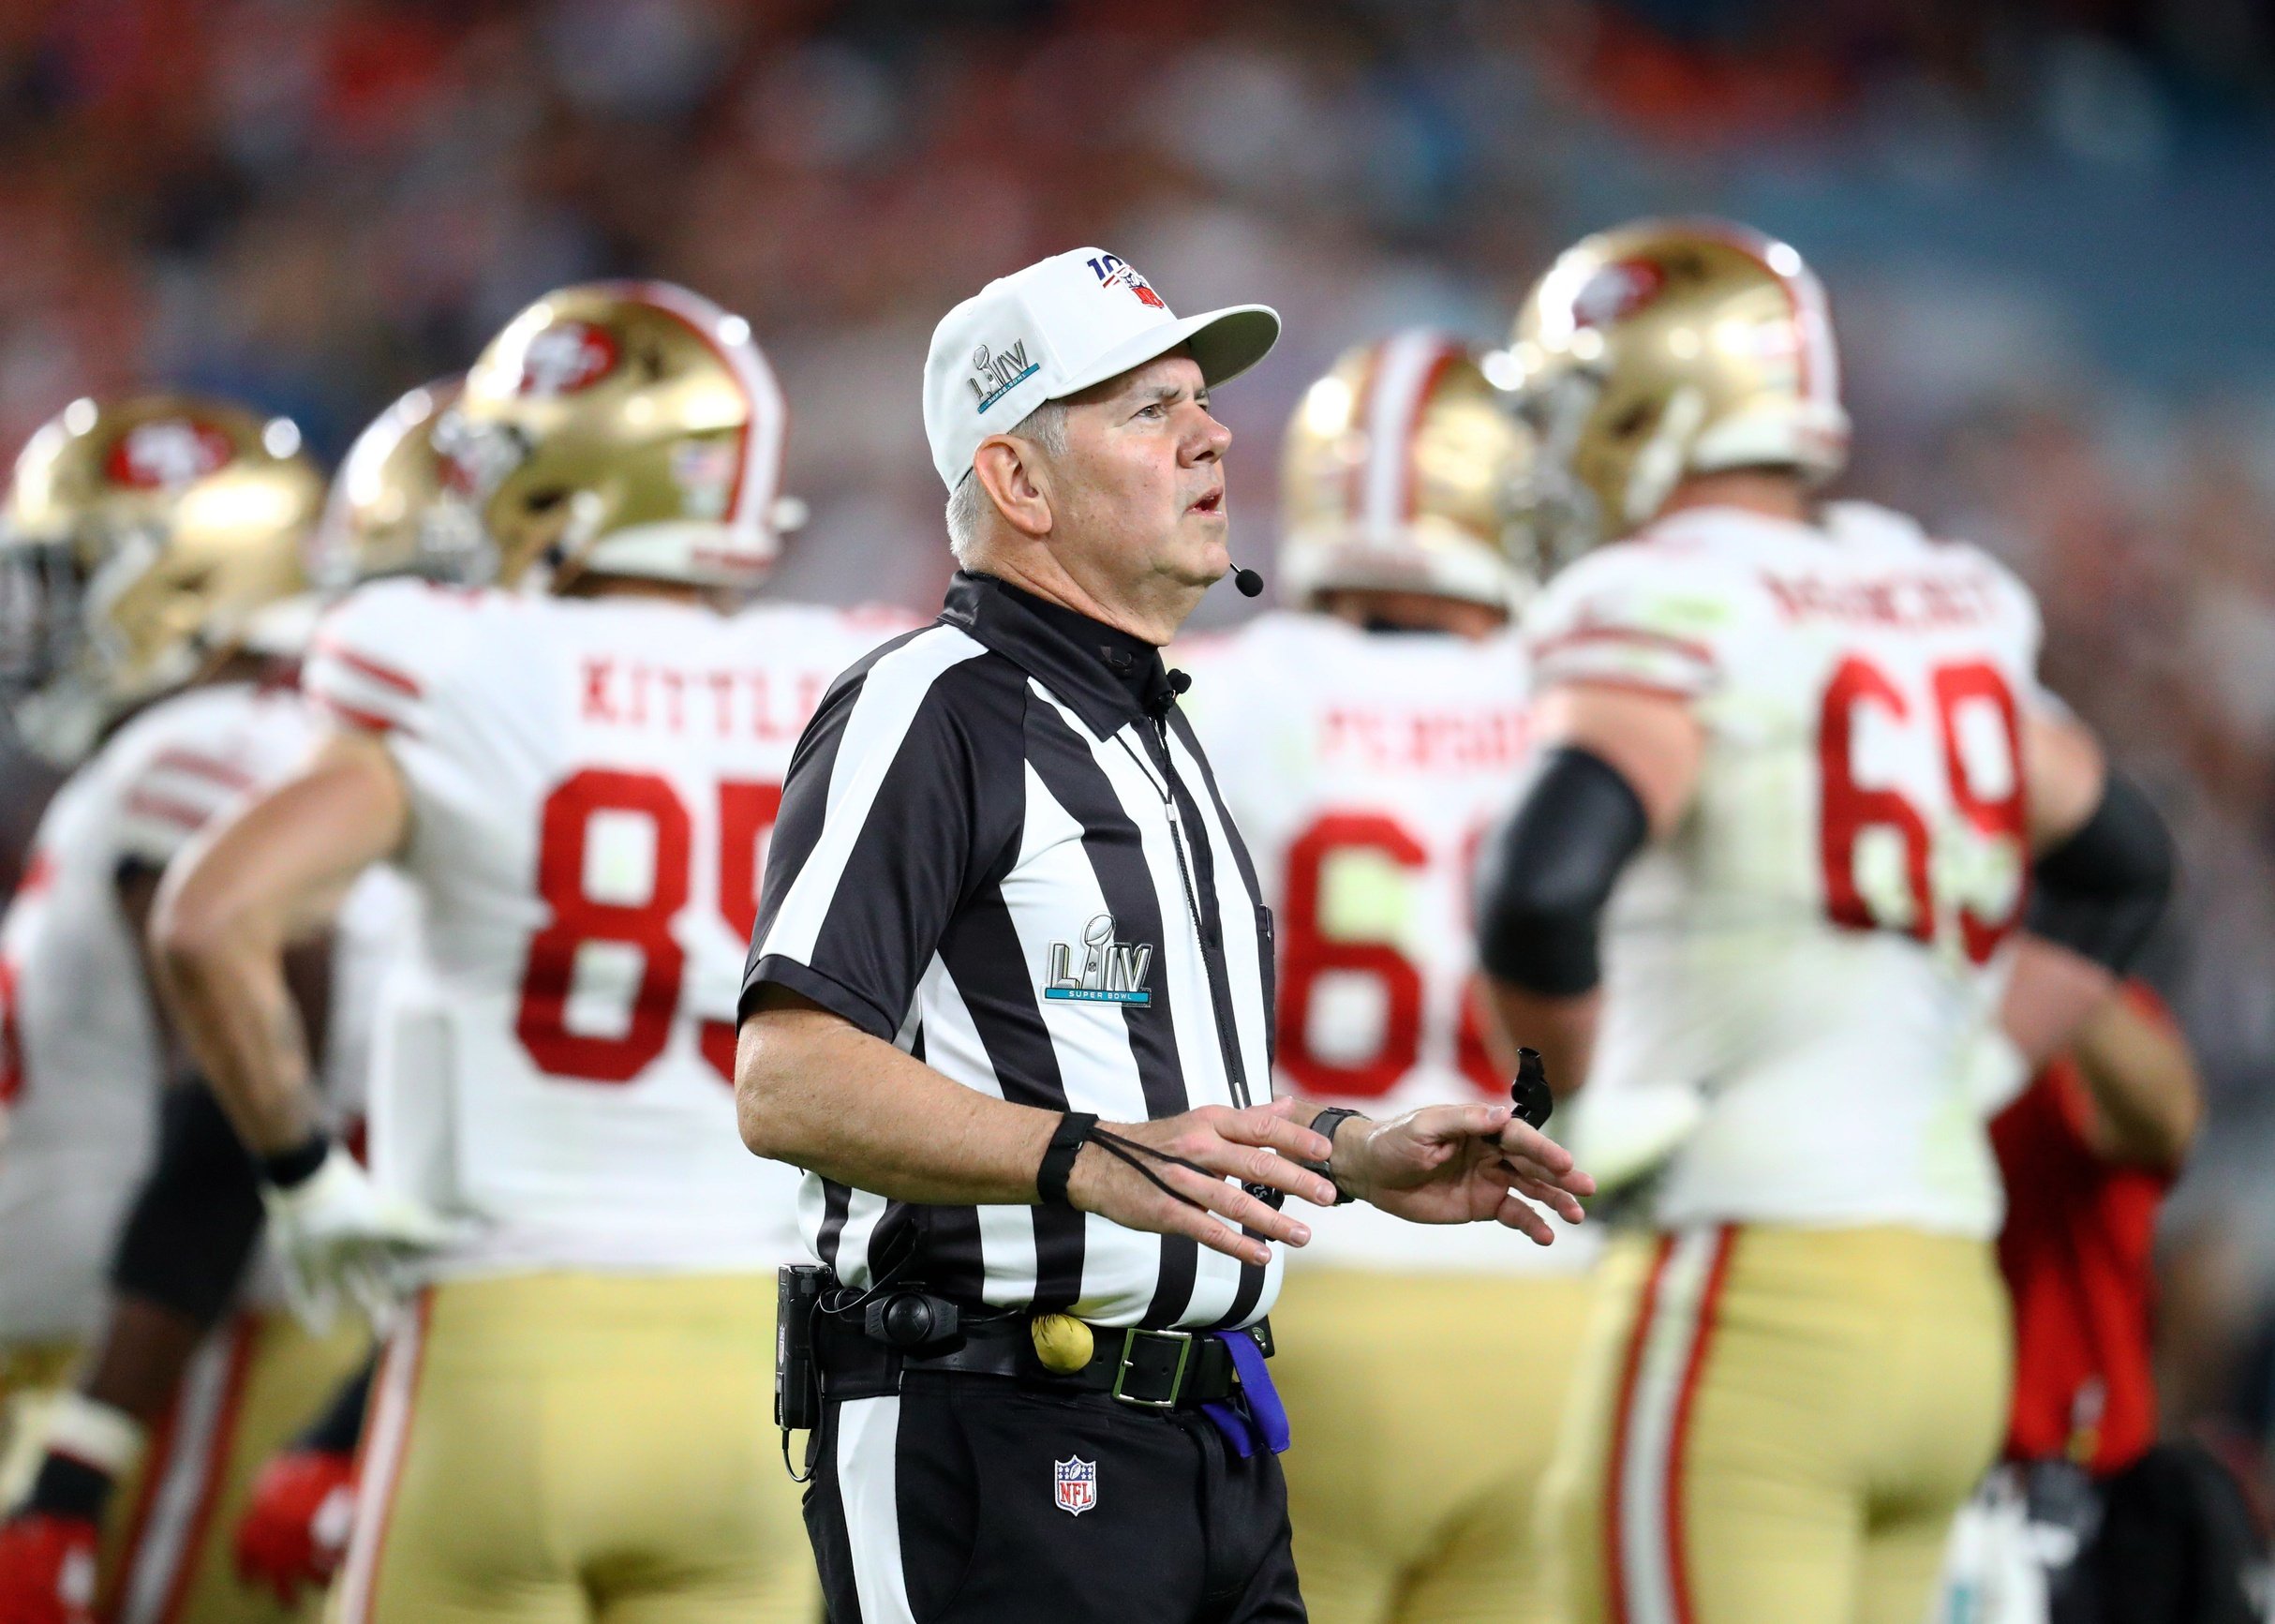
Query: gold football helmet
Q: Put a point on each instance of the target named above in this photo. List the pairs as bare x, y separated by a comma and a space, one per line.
139, 541
631, 428
1399, 472
387, 513
1668, 348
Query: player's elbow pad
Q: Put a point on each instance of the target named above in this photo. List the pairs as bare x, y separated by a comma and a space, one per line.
1545, 883
2102, 892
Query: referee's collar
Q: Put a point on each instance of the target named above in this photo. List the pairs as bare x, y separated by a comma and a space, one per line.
1107, 676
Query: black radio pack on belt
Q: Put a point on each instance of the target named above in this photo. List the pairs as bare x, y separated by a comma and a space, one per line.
797, 1387
913, 1322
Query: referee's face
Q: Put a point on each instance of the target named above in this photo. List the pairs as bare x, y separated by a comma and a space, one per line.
1139, 498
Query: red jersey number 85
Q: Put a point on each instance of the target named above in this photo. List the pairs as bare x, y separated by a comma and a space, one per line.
746, 813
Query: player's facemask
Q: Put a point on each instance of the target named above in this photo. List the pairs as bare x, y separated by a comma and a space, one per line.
40, 589
1564, 515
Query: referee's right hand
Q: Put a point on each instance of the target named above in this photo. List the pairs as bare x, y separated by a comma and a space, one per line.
1260, 1145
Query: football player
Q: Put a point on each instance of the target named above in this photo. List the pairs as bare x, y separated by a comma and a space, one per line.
161, 535
1364, 742
386, 517
1797, 773
2089, 1515
577, 771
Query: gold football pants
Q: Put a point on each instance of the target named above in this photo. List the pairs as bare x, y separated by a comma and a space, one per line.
1775, 1425
1425, 1408
554, 1448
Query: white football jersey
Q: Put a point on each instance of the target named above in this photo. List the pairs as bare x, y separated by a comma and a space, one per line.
591, 783
79, 1042
1364, 768
1794, 979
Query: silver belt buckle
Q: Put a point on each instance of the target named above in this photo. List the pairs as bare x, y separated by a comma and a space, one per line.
1176, 1377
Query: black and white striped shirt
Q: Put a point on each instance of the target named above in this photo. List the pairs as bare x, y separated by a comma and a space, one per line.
1000, 848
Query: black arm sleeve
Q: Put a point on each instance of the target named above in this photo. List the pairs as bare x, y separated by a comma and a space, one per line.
1547, 878
336, 1430
2102, 892
195, 1219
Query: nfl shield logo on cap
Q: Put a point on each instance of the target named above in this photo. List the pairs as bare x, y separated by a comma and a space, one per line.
1075, 1484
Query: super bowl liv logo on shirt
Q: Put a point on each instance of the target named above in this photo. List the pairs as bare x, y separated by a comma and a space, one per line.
996, 376
1112, 971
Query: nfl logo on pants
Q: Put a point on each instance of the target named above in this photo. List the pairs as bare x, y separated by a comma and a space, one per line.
1075, 1484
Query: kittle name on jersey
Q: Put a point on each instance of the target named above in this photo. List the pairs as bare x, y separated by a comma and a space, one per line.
720, 704
1901, 603
1389, 738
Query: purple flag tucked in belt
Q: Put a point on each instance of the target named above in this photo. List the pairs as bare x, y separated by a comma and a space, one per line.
1263, 1419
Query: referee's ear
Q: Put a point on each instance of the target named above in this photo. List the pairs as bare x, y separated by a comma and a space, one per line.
1018, 483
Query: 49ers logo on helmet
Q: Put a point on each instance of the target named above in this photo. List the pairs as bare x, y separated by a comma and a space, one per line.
166, 454
566, 357
1617, 292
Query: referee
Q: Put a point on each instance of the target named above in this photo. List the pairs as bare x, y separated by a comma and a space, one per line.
1010, 1003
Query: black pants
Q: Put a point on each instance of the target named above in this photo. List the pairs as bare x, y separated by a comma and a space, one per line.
950, 1503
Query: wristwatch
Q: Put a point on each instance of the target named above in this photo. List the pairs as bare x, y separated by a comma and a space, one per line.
1325, 1124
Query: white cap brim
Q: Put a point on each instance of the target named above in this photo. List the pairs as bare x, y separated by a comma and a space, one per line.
1224, 343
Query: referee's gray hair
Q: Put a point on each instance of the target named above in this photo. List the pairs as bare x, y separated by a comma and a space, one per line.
969, 504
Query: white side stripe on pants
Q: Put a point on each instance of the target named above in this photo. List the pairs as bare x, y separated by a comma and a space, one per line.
189, 1476
869, 1436
1676, 1316
381, 1461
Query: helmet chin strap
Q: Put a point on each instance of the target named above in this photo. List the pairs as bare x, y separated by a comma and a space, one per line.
570, 555
1660, 462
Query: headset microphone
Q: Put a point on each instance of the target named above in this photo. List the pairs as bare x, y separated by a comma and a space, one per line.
1251, 585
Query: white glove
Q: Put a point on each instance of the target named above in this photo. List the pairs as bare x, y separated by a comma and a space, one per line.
1624, 1134
340, 1237
1994, 1565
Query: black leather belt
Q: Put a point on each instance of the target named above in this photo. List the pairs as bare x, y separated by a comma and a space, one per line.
1157, 1370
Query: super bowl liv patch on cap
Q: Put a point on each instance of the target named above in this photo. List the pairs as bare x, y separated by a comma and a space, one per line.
1053, 329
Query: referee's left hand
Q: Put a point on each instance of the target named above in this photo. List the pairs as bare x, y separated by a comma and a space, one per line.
1463, 1164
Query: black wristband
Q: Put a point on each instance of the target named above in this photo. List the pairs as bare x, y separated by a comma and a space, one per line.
1058, 1164
298, 1165
1332, 1118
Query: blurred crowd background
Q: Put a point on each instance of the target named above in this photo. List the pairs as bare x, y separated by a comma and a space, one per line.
2048, 229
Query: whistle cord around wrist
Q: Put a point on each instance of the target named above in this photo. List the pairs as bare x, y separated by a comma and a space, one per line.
1132, 1153
1078, 1129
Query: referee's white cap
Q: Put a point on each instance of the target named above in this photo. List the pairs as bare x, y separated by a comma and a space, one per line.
1053, 329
